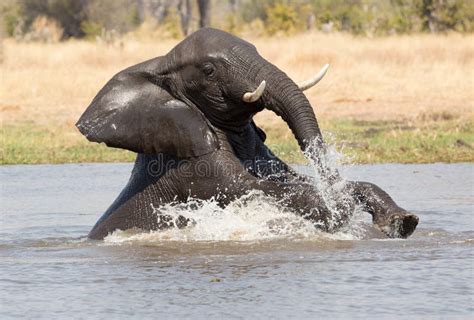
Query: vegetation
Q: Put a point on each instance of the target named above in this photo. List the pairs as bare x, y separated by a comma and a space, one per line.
389, 141
359, 141
28, 143
401, 98
95, 18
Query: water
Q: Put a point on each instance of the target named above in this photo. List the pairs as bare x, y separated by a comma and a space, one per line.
252, 260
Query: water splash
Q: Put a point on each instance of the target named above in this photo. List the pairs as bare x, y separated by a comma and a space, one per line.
258, 217
253, 217
334, 189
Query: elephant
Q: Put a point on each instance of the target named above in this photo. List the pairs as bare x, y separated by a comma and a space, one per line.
189, 117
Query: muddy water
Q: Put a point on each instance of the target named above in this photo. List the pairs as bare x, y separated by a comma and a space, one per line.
252, 260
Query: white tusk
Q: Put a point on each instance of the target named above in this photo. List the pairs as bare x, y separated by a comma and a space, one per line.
254, 96
311, 82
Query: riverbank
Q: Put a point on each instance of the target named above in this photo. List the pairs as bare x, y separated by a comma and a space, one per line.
360, 142
406, 99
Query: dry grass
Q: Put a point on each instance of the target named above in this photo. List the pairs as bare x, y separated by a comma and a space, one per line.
402, 78
384, 78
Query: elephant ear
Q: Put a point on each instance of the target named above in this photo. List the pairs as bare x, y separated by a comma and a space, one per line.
133, 113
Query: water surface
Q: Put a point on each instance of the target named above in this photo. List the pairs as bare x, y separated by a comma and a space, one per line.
239, 265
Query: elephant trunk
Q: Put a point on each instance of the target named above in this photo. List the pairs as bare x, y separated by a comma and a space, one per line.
297, 112
283, 97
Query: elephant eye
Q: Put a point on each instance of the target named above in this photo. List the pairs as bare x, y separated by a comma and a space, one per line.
209, 69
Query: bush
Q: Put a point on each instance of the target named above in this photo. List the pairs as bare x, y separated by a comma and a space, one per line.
12, 17
91, 29
232, 23
91, 18
281, 18
172, 25
45, 30
118, 15
442, 15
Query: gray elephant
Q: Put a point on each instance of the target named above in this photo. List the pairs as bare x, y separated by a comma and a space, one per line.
188, 116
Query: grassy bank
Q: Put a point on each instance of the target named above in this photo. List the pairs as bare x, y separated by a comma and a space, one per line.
360, 142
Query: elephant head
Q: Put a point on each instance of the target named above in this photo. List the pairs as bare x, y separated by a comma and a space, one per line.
212, 71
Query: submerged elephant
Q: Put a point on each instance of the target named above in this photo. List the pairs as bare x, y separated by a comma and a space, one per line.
188, 115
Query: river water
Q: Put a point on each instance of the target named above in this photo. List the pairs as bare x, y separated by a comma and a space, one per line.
250, 260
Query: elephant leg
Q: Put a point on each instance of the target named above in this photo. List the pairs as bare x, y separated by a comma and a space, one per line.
387, 215
306, 201
391, 219
303, 198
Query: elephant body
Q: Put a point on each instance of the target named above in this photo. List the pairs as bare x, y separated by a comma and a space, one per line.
188, 115
224, 174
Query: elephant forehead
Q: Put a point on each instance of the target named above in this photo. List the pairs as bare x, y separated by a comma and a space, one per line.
208, 43
213, 38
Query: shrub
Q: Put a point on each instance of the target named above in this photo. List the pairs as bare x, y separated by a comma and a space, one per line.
45, 30
91, 29
12, 17
172, 25
281, 18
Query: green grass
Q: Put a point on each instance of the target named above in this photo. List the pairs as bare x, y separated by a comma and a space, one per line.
445, 141
383, 142
34, 144
361, 141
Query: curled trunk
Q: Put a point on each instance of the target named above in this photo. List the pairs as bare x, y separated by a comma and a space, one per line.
283, 97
